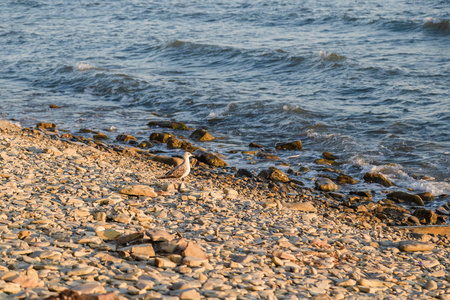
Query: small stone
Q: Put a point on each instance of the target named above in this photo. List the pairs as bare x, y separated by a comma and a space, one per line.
90, 288
23, 234
138, 190
431, 285
347, 283
81, 271
165, 263
194, 262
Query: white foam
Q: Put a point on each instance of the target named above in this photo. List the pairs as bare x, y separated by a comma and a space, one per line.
80, 66
219, 114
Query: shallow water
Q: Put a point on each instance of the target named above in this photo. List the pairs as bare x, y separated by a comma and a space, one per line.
365, 80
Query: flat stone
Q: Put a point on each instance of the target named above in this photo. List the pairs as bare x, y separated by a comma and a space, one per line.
301, 206
90, 288
412, 246
139, 190
81, 271
194, 250
193, 262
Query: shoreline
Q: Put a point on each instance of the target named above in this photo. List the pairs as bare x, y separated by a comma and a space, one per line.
65, 208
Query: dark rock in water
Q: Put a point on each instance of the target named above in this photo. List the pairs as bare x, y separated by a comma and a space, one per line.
145, 144
427, 196
255, 145
46, 126
329, 156
425, 216
297, 145
267, 156
304, 169
292, 172
174, 143
403, 196
209, 158
326, 185
345, 179
326, 162
202, 135
125, 138
168, 124
295, 183
100, 136
160, 137
54, 106
377, 178
67, 136
367, 194
244, 173
86, 130
273, 174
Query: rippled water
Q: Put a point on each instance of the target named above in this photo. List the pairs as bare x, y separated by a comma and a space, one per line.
365, 80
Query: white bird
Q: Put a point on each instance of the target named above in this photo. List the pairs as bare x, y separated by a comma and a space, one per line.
180, 171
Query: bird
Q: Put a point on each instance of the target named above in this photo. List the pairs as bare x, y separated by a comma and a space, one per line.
180, 171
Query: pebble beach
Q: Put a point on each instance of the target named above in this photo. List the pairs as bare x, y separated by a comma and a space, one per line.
94, 222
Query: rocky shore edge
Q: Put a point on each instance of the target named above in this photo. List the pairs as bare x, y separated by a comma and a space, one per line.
81, 219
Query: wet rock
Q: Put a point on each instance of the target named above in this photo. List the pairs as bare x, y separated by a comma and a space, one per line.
174, 143
296, 145
403, 196
255, 145
426, 196
100, 136
425, 216
160, 137
377, 178
209, 158
326, 185
46, 126
125, 138
325, 162
244, 173
144, 145
202, 135
346, 179
273, 174
266, 156
138, 190
168, 124
329, 156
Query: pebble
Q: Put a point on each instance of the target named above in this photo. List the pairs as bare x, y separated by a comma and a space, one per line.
64, 225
